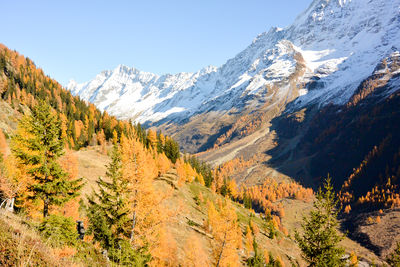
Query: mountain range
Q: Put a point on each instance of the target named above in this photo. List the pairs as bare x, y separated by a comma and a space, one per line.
295, 98
318, 98
321, 58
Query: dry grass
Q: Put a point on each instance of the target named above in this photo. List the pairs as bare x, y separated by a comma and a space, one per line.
8, 118
383, 235
92, 165
21, 245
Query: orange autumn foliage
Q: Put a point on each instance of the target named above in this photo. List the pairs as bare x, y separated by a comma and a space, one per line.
235, 165
14, 181
263, 197
254, 228
386, 195
152, 138
3, 144
185, 172
280, 261
140, 169
347, 209
194, 252
78, 127
353, 259
163, 163
224, 227
69, 162
64, 252
248, 241
266, 256
164, 254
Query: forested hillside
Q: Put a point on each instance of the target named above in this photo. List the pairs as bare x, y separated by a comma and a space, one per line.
150, 206
22, 84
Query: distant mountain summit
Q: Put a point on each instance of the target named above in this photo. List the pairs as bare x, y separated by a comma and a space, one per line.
340, 42
321, 58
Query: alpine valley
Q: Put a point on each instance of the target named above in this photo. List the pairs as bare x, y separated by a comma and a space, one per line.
220, 167
318, 97
337, 57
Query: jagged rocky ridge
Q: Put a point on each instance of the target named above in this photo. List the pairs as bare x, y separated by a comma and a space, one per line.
337, 42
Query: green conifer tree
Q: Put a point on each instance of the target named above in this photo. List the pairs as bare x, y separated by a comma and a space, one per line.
172, 150
320, 241
110, 216
38, 145
112, 201
258, 260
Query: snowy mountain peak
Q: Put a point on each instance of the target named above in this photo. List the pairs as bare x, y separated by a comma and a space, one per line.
329, 49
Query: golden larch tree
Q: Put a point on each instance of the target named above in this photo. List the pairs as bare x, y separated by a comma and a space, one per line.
195, 255
3, 144
226, 232
152, 138
148, 215
165, 254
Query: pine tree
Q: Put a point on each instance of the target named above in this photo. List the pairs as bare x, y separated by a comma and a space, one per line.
258, 260
112, 204
320, 241
172, 150
38, 145
110, 214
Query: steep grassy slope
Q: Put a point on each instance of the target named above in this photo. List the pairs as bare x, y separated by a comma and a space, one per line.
22, 245
191, 214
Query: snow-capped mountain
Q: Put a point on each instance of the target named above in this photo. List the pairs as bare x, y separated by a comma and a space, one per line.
321, 58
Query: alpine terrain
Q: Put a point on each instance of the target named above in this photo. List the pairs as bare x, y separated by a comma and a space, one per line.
319, 96
286, 155
320, 59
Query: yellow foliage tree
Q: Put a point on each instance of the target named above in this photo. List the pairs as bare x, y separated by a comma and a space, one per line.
165, 253
195, 255
139, 169
280, 261
69, 162
163, 163
200, 179
152, 138
226, 232
185, 172
248, 241
14, 183
3, 144
347, 209
353, 259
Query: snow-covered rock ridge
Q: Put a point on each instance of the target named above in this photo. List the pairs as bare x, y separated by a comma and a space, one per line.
339, 41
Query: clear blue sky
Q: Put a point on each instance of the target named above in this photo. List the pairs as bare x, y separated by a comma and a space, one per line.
78, 39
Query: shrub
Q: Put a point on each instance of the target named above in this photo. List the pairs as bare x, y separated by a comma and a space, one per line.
126, 255
59, 230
